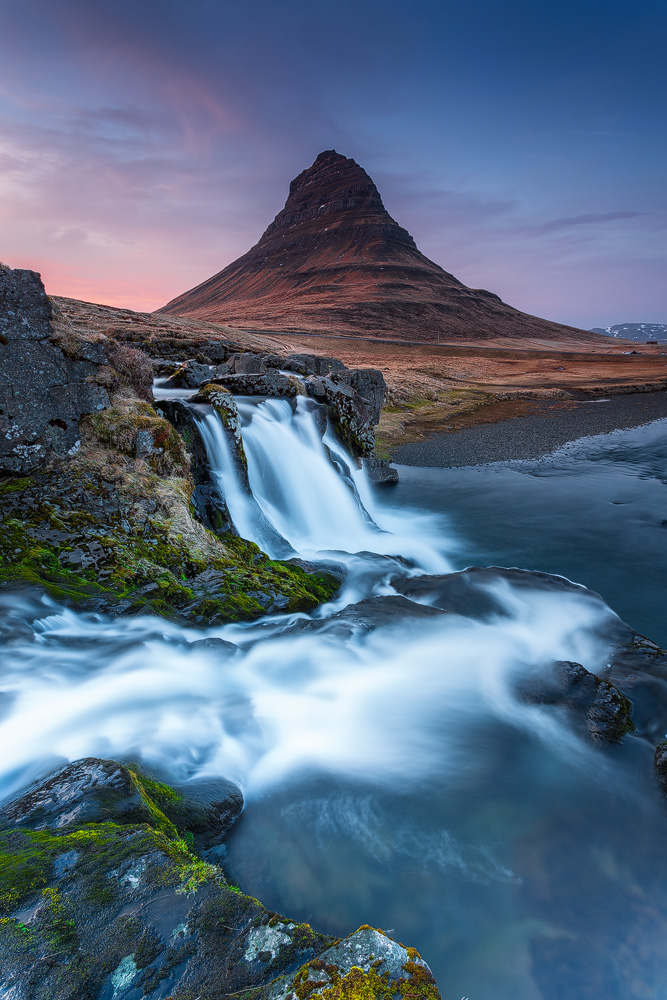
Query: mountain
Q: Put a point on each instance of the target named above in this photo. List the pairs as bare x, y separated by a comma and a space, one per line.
635, 331
335, 261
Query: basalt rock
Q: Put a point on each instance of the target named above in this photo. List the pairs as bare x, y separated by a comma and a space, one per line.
380, 471
351, 414
43, 392
607, 712
192, 374
268, 384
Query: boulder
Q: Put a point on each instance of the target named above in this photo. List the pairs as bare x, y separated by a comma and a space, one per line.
43, 391
93, 790
371, 386
268, 384
246, 363
380, 472
312, 364
192, 374
607, 712
348, 411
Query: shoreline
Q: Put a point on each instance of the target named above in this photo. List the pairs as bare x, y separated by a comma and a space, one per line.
549, 425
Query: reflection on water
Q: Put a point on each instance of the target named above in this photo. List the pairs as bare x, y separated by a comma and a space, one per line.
391, 773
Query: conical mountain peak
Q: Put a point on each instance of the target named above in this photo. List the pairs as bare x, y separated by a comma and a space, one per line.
334, 261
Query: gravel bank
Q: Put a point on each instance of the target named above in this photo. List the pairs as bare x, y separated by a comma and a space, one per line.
554, 423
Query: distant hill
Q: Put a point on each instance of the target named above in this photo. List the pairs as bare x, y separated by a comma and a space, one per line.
634, 331
334, 261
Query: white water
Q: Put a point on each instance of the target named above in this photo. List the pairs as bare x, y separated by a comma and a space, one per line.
309, 491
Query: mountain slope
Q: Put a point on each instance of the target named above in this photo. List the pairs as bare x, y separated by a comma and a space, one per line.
335, 261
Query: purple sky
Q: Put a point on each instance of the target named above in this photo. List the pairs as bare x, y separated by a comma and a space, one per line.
145, 145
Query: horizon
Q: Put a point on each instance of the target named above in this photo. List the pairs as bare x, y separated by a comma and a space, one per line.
144, 149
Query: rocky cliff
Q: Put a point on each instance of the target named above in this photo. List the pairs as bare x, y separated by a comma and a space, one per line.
335, 261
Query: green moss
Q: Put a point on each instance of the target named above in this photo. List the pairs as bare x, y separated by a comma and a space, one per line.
357, 984
60, 930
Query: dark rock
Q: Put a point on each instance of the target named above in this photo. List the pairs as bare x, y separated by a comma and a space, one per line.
221, 646
660, 764
216, 351
211, 508
116, 911
268, 384
371, 386
43, 392
145, 445
246, 364
607, 712
88, 791
380, 472
190, 375
312, 364
349, 412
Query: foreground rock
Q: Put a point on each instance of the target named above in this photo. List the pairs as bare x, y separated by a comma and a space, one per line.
44, 390
103, 896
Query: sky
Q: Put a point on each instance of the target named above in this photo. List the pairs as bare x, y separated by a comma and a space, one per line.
144, 145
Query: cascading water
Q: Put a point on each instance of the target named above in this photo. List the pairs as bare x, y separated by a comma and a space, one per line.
306, 491
391, 770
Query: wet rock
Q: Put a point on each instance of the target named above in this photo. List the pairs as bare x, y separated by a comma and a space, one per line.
371, 386
223, 402
88, 791
349, 412
607, 712
211, 508
367, 963
127, 909
43, 392
268, 384
380, 472
190, 375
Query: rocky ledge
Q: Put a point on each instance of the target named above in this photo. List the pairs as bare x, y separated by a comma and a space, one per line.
110, 889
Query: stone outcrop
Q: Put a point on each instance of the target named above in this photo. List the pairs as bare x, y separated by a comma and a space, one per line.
104, 893
43, 392
334, 261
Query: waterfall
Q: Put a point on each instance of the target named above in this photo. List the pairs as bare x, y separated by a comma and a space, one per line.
306, 495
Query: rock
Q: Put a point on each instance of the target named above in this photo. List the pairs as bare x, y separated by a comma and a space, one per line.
349, 412
128, 908
211, 508
371, 386
660, 764
365, 964
312, 364
268, 384
380, 472
216, 351
190, 375
222, 400
145, 445
88, 791
43, 392
246, 364
607, 712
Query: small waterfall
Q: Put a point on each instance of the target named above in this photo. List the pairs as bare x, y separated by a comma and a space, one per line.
305, 494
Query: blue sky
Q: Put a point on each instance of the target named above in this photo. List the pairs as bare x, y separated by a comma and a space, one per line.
145, 145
